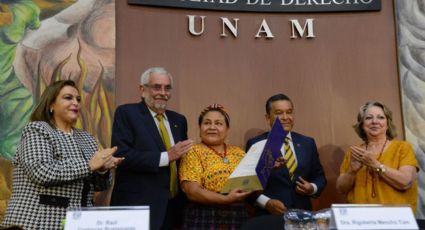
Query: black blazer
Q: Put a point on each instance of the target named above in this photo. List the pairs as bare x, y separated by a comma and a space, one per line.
139, 179
281, 187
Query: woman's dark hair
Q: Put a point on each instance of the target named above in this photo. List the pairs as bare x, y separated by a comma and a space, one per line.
214, 107
358, 127
42, 110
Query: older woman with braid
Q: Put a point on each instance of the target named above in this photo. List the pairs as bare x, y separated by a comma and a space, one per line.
381, 170
203, 172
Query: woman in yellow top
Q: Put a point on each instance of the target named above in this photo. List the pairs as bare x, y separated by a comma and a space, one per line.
203, 172
381, 170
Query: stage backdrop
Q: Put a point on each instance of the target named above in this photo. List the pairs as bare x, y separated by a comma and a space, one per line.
352, 59
42, 41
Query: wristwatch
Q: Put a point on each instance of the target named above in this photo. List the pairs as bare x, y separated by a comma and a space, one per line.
381, 169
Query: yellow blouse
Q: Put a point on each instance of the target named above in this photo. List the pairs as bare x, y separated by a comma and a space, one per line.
397, 154
202, 165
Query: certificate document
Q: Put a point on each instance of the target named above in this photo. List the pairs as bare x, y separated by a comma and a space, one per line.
254, 169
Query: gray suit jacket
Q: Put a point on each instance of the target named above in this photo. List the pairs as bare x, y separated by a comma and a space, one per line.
51, 173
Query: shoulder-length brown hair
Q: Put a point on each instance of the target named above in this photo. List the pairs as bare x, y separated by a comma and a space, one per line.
358, 127
42, 110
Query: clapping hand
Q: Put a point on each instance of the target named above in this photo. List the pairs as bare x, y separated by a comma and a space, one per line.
179, 149
359, 157
104, 160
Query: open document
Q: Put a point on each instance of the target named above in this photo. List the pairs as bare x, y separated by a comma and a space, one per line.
254, 169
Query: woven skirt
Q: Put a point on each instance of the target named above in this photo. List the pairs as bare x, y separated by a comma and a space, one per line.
198, 216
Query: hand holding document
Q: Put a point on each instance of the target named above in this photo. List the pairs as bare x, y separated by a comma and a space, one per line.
254, 169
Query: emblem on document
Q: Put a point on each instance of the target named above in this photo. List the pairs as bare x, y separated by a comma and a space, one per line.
76, 215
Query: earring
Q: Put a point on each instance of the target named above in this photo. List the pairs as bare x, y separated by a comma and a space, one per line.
51, 110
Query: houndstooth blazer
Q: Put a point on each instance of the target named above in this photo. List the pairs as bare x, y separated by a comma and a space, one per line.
50, 169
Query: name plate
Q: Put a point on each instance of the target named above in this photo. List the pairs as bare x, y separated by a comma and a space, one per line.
373, 217
108, 218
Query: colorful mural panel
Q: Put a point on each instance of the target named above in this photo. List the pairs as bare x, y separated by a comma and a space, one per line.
42, 41
411, 49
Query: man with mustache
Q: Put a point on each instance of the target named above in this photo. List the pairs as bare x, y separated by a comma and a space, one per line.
151, 139
302, 175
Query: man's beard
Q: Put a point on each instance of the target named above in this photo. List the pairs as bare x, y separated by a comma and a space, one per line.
150, 101
160, 106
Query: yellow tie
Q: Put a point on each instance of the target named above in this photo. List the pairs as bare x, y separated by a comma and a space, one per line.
290, 160
173, 167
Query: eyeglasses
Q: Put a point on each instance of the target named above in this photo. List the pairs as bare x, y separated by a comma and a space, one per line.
158, 88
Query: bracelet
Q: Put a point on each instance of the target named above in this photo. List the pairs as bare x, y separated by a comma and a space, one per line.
102, 172
381, 169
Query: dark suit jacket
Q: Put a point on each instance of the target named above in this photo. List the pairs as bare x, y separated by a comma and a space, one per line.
139, 179
281, 187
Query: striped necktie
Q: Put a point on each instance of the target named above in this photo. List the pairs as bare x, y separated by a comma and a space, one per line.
291, 162
173, 167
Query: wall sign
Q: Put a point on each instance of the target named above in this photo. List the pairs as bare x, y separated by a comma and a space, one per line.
268, 5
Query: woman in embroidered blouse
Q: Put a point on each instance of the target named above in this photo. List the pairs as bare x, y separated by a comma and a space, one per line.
382, 170
203, 172
56, 166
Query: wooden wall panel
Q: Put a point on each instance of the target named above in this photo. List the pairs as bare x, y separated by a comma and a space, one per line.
351, 60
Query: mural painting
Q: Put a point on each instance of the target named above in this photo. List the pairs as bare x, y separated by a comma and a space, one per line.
411, 41
42, 41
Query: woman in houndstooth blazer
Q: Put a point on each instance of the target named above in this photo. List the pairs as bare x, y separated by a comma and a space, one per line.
56, 166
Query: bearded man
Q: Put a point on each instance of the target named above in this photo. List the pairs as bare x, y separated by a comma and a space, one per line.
151, 139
